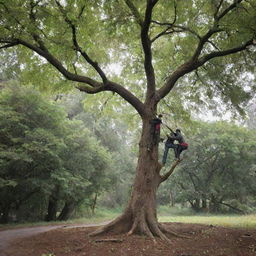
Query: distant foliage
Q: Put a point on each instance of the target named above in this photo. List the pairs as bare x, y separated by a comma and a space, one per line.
46, 160
218, 172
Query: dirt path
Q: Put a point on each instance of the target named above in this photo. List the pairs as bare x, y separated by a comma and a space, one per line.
9, 236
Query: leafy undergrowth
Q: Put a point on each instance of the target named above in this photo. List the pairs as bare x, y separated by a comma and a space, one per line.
203, 240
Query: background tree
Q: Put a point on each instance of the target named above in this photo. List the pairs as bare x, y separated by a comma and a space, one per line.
115, 133
42, 154
251, 120
29, 146
218, 171
157, 43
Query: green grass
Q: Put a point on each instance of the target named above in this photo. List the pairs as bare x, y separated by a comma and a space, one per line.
165, 214
235, 221
100, 216
186, 215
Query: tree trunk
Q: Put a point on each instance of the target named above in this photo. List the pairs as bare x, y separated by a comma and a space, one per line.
67, 210
204, 205
52, 209
140, 215
214, 205
172, 199
5, 215
195, 204
94, 202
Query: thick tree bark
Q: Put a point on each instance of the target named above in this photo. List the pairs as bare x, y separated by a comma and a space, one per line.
140, 215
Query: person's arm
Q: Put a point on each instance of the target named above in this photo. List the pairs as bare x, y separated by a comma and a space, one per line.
180, 138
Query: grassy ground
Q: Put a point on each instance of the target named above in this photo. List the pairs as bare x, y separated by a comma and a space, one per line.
165, 214
235, 221
101, 215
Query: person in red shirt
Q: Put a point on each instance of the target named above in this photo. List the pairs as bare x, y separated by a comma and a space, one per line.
156, 127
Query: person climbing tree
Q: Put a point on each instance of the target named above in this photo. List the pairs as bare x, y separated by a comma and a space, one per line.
156, 127
178, 148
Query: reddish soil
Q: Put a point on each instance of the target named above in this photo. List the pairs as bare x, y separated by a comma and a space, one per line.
203, 241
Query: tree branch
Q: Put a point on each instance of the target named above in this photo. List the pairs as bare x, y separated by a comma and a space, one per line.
167, 31
57, 64
215, 27
146, 45
81, 12
120, 90
193, 64
217, 9
172, 79
227, 10
87, 84
168, 174
173, 26
215, 54
134, 11
95, 86
170, 26
203, 40
8, 45
76, 45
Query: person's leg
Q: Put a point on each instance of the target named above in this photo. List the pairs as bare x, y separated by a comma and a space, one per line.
180, 149
166, 149
176, 150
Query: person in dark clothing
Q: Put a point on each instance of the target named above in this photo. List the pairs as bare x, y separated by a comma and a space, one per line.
178, 148
156, 127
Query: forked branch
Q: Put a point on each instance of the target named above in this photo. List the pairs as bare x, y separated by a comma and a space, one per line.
195, 63
227, 10
77, 46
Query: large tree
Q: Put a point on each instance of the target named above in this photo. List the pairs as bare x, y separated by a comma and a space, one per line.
155, 43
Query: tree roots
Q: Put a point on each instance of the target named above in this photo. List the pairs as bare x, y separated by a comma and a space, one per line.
142, 224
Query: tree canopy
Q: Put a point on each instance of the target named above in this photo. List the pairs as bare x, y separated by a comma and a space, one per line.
151, 42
